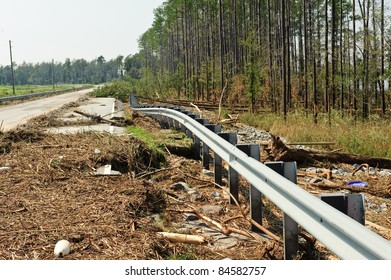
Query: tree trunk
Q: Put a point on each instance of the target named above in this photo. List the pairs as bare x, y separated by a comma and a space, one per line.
382, 60
278, 151
333, 51
326, 46
355, 83
313, 55
284, 60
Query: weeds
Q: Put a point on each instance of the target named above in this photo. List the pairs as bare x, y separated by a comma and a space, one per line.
159, 141
27, 89
370, 137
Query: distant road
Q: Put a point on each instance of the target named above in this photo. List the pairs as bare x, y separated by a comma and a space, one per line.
14, 115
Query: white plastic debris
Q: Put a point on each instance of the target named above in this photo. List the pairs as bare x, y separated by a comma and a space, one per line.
4, 169
62, 248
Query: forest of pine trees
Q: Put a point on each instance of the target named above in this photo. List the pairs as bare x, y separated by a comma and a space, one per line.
77, 71
314, 55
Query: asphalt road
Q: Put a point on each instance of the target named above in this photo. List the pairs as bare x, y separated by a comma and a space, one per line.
14, 115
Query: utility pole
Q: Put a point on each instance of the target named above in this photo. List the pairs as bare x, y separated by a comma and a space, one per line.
53, 74
12, 69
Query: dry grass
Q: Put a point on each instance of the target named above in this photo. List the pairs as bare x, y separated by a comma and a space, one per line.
51, 194
370, 138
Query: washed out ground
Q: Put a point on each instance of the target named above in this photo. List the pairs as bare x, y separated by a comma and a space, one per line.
50, 190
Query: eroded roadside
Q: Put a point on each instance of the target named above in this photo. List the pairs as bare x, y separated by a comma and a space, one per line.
52, 190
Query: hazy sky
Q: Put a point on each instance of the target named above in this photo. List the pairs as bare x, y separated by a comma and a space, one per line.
42, 30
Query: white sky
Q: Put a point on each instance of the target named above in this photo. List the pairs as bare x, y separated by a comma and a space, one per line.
42, 30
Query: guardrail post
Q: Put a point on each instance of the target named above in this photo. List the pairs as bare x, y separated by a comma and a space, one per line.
291, 229
167, 122
193, 116
197, 142
181, 127
160, 120
233, 176
171, 123
216, 128
254, 151
188, 132
349, 204
176, 125
356, 207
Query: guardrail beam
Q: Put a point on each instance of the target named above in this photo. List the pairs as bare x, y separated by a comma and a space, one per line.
342, 235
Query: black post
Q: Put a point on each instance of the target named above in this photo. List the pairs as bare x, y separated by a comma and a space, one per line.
291, 228
12, 69
233, 176
254, 151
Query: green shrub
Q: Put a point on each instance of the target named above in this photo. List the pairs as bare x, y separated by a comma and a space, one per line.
118, 89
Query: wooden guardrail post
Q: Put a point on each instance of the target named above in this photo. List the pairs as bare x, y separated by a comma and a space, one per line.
291, 229
233, 176
254, 151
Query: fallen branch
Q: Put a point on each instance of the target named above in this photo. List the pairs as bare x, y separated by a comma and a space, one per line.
184, 238
225, 230
261, 228
96, 118
361, 166
279, 151
143, 175
311, 143
198, 109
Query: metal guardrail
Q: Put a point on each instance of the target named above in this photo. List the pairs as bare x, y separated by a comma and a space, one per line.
38, 94
342, 235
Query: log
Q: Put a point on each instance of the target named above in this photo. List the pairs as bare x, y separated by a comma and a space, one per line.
280, 152
96, 118
183, 238
198, 109
311, 143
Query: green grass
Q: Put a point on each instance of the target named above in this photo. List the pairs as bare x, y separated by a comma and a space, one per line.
370, 138
26, 89
157, 141
149, 138
182, 257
